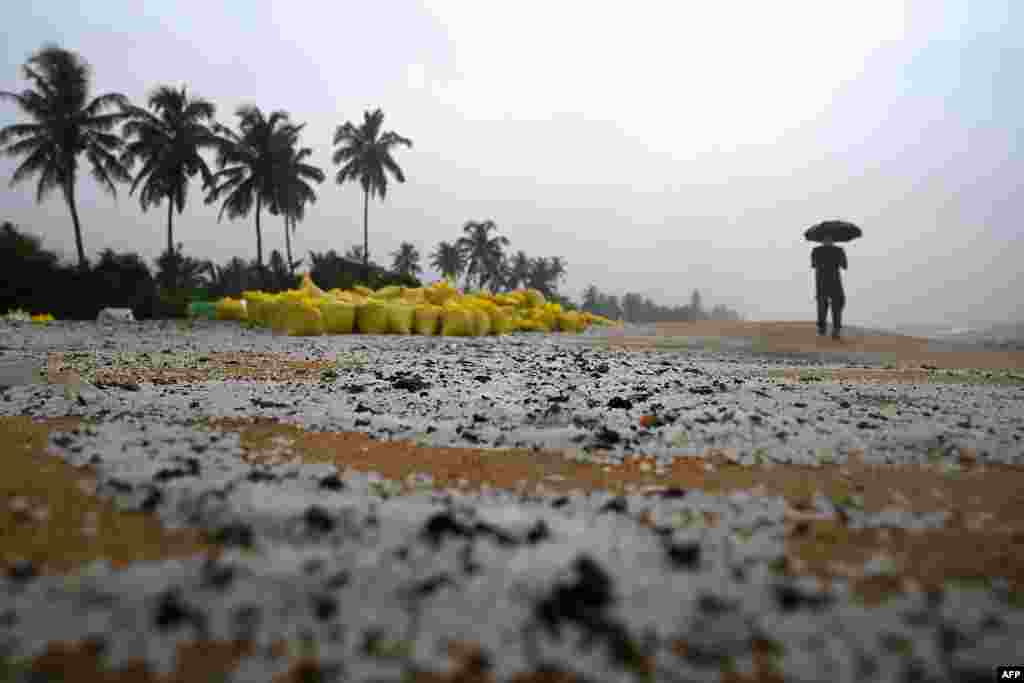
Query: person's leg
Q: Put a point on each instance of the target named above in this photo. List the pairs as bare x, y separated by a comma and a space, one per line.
822, 312
838, 303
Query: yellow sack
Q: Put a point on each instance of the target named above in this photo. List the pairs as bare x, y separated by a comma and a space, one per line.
391, 292
372, 317
400, 318
309, 287
529, 325
302, 319
456, 322
339, 317
501, 321
481, 322
534, 298
543, 320
426, 319
440, 293
570, 321
230, 309
414, 295
364, 291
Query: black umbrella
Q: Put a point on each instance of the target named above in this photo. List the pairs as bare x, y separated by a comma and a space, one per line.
837, 231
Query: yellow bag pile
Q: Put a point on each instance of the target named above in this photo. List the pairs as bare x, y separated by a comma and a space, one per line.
413, 296
339, 316
440, 293
400, 318
257, 307
231, 309
427, 319
502, 320
481, 322
372, 317
456, 321
388, 293
570, 321
310, 288
302, 318
534, 299
440, 308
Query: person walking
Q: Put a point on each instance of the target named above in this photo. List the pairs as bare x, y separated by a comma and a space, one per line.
826, 260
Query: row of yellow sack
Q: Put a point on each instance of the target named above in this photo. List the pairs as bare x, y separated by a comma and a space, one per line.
438, 309
306, 316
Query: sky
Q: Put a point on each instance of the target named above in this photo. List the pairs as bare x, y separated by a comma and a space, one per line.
657, 147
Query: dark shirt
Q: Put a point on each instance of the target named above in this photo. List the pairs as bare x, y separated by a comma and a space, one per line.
827, 260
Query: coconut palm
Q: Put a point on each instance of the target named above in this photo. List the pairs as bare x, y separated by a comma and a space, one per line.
483, 253
518, 270
545, 274
249, 163
294, 192
168, 142
67, 124
406, 260
448, 259
366, 154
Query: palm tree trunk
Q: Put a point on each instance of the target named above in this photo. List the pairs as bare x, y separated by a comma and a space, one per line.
69, 195
259, 244
366, 237
288, 246
172, 272
170, 224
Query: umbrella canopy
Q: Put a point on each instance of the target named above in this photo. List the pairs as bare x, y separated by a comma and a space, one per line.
837, 231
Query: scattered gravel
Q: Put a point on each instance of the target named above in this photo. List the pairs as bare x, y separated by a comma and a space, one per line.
350, 570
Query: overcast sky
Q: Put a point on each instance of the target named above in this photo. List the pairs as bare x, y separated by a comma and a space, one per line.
656, 146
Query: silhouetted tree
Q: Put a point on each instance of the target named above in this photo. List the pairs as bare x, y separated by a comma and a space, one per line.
482, 252
250, 164
517, 273
449, 259
66, 125
293, 190
168, 143
366, 154
406, 260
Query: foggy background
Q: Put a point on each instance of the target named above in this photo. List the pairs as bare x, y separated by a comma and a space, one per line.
658, 147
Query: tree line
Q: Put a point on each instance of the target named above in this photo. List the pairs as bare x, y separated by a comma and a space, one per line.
636, 308
260, 165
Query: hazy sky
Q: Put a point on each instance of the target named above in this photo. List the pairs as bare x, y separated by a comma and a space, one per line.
656, 146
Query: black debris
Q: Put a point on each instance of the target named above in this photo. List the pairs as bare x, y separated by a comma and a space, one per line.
618, 505
619, 402
332, 483
440, 525
318, 519
683, 555
414, 383
261, 403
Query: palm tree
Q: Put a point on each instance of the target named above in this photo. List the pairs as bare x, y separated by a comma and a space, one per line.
448, 258
355, 253
168, 141
518, 270
294, 192
545, 274
483, 252
250, 166
406, 260
591, 298
366, 154
66, 125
